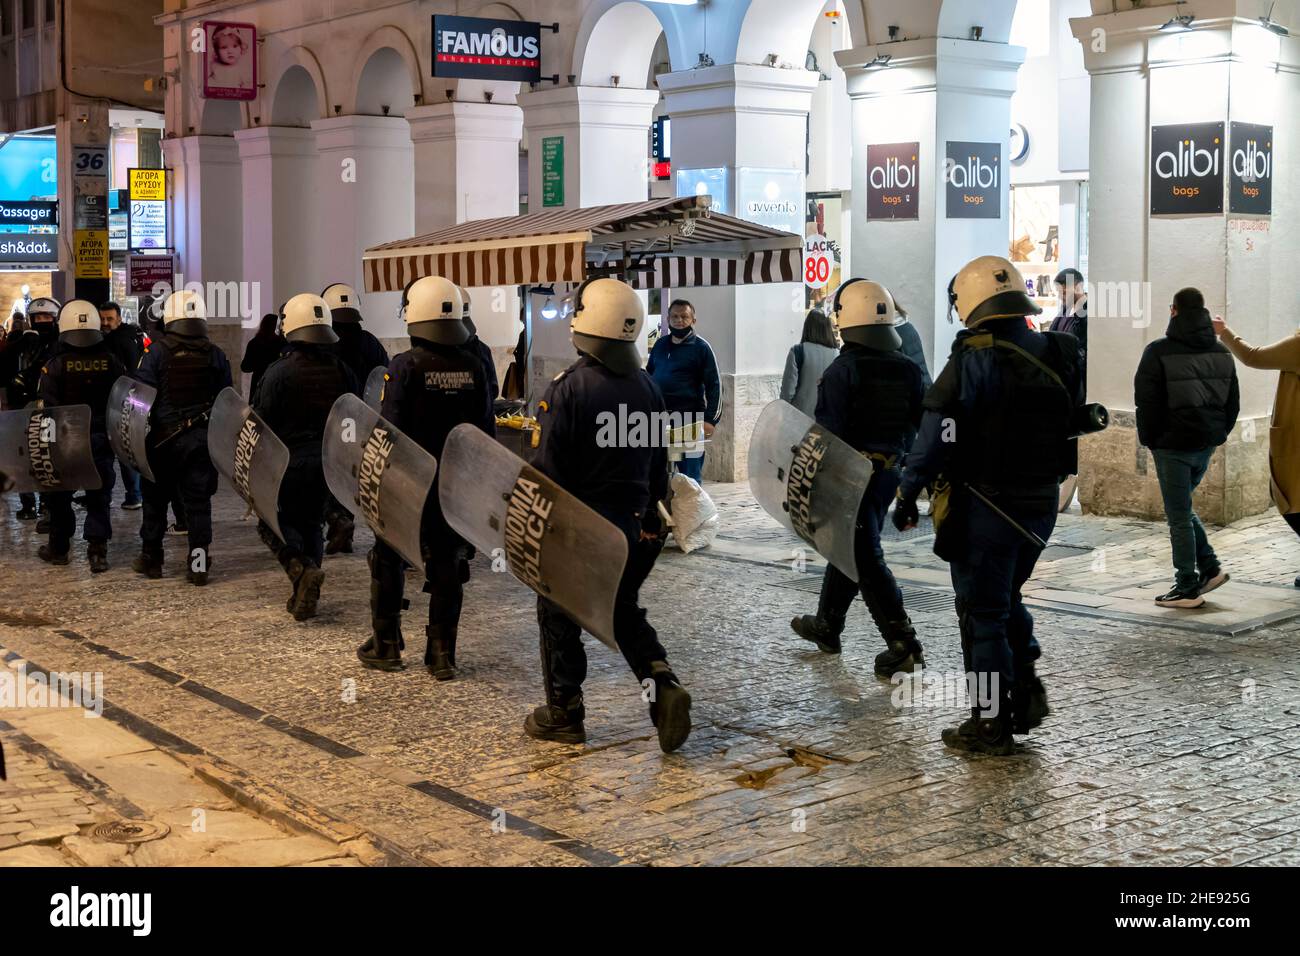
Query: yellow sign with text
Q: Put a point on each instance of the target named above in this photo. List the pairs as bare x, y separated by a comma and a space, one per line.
90, 247
147, 184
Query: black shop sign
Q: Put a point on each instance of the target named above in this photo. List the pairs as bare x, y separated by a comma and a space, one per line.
972, 175
1187, 161
893, 180
475, 48
34, 212
1250, 179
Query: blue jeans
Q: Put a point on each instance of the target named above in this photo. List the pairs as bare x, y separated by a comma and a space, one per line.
1179, 473
130, 482
692, 468
876, 582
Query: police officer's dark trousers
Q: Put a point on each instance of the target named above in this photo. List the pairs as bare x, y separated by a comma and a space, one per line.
441, 548
876, 582
564, 660
181, 468
997, 631
301, 513
98, 526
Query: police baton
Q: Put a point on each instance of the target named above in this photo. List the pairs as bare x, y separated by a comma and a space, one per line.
1029, 536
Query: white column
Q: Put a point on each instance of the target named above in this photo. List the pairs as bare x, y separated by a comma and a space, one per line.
467, 167
605, 135
933, 92
280, 236
365, 176
747, 120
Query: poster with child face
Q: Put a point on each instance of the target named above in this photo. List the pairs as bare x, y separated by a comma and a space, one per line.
229, 61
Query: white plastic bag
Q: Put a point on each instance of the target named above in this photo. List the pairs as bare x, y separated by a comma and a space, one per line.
695, 516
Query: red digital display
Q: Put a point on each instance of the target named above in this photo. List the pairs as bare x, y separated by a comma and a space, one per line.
663, 170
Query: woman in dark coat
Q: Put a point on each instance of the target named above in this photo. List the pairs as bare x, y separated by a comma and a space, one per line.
262, 349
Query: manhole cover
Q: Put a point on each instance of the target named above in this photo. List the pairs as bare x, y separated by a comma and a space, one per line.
130, 831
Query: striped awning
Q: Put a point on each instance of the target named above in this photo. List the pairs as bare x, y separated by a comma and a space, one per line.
663, 243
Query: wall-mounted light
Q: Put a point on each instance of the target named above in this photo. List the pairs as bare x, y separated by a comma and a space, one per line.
487, 96
770, 59
549, 310
880, 62
977, 33
1271, 25
704, 60
1178, 24
893, 32
613, 80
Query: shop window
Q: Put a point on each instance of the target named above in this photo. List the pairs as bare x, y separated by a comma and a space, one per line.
1036, 240
29, 14
6, 18
49, 11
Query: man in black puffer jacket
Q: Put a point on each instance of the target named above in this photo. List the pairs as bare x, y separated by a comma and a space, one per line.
1187, 403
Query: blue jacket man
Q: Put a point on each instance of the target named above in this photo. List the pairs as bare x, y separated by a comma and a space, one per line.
686, 371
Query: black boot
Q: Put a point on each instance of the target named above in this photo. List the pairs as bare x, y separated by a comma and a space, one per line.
439, 652
97, 555
339, 534
49, 555
1028, 701
148, 562
43, 524
981, 735
26, 513
383, 652
199, 578
823, 631
904, 652
559, 722
307, 580
670, 710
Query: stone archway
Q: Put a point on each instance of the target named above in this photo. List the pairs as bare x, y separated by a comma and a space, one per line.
386, 73
299, 94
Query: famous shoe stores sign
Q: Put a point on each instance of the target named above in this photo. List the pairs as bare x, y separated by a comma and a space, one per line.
1189, 162
479, 49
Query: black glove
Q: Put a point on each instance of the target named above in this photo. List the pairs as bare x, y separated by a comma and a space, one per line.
906, 514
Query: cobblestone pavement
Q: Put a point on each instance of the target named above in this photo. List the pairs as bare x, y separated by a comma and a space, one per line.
1173, 738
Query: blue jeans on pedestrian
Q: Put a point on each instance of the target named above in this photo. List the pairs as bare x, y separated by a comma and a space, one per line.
1179, 473
130, 482
692, 468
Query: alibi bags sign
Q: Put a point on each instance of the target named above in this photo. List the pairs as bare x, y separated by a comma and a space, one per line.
1250, 168
893, 180
1187, 163
972, 175
479, 49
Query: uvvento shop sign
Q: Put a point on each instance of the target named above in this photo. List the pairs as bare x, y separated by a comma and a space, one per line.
1187, 161
480, 49
973, 177
1250, 183
893, 175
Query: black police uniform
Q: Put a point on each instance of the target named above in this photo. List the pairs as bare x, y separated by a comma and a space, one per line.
623, 484
362, 353
294, 398
1007, 401
871, 399
83, 375
189, 372
29, 355
428, 391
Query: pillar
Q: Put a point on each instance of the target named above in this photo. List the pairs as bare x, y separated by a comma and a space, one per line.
365, 180
1227, 69
749, 123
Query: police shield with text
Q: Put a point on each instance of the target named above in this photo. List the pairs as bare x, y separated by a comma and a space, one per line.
624, 485
294, 399
129, 405
430, 389
33, 348
82, 371
363, 354
870, 396
995, 441
189, 372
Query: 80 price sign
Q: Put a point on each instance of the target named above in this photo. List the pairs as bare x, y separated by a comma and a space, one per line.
818, 261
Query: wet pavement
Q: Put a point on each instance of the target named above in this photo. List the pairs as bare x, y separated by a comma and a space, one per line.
1173, 738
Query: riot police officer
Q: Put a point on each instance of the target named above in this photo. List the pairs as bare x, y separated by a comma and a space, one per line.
994, 443
869, 396
430, 389
34, 347
480, 348
623, 484
81, 372
294, 398
362, 353
189, 371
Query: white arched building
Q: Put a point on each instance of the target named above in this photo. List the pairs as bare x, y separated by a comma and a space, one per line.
352, 141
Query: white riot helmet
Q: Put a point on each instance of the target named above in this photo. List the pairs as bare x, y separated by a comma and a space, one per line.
185, 314
865, 313
464, 311
987, 288
79, 324
432, 310
607, 320
344, 303
44, 306
306, 318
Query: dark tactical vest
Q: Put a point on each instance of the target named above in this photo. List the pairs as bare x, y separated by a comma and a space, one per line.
445, 386
308, 384
187, 380
883, 386
86, 378
1020, 435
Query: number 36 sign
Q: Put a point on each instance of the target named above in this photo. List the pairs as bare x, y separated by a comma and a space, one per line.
818, 261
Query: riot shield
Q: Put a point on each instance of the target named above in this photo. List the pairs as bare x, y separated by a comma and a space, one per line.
809, 480
549, 539
248, 455
48, 449
128, 422
379, 474
374, 391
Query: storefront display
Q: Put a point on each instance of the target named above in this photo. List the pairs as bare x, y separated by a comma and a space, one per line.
823, 222
1036, 240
